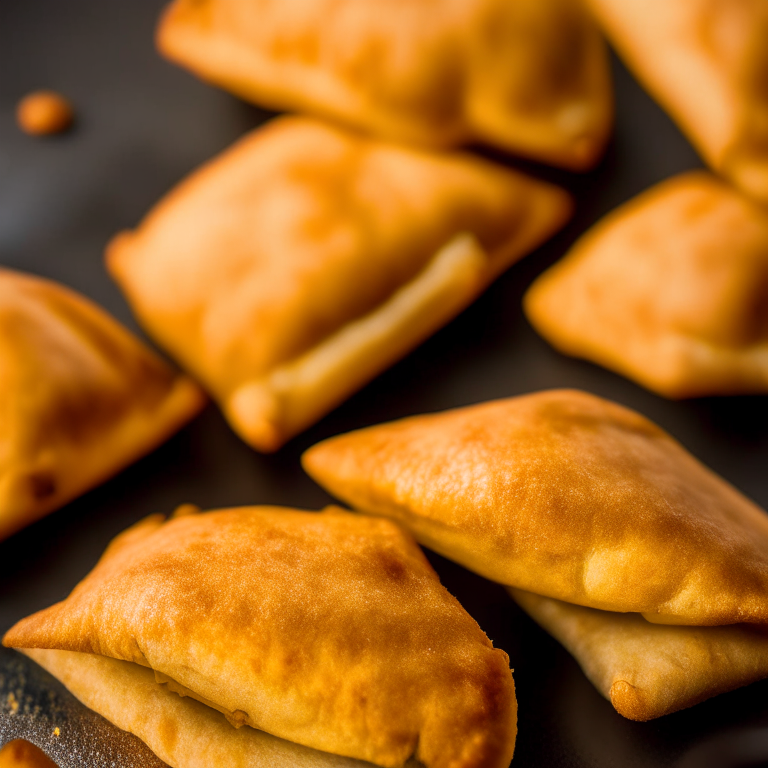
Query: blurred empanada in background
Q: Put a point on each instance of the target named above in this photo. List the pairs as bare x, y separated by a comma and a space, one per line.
304, 260
81, 398
671, 290
529, 76
572, 497
648, 670
22, 754
330, 630
706, 61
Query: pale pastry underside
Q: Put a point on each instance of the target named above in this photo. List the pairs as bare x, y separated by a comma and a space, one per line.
181, 731
649, 670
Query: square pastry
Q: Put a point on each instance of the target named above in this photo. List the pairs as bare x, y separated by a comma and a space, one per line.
303, 261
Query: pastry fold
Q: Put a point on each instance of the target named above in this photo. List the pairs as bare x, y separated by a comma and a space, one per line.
303, 261
531, 77
566, 495
81, 398
706, 62
180, 730
647, 670
670, 290
328, 630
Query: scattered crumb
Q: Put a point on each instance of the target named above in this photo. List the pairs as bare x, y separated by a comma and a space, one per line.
44, 112
13, 703
57, 731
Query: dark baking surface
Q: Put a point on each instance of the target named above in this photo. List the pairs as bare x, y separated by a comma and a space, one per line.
142, 124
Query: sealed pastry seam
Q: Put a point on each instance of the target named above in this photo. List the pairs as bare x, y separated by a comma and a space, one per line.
296, 394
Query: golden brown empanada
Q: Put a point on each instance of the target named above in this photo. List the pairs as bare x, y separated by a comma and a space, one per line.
530, 76
21, 754
329, 630
566, 495
647, 670
305, 260
671, 290
81, 398
706, 61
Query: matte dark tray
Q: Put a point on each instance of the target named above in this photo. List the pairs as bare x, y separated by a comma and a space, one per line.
142, 125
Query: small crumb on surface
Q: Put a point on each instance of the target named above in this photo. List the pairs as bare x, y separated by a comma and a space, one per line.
44, 112
13, 704
57, 731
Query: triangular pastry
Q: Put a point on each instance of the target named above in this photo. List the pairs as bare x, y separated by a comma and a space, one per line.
304, 260
566, 495
648, 670
530, 76
706, 61
329, 630
81, 398
671, 290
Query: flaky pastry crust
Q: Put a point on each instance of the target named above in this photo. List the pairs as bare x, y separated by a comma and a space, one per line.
329, 630
81, 398
531, 76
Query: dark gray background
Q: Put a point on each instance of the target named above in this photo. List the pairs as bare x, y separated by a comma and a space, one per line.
142, 125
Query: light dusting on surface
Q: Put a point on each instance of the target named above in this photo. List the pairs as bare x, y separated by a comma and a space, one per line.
36, 707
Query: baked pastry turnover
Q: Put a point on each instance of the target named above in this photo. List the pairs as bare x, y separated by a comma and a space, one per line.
328, 630
81, 398
706, 61
531, 76
671, 290
571, 497
303, 261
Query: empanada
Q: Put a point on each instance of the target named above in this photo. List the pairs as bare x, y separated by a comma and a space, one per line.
706, 61
566, 495
81, 398
646, 670
21, 754
329, 630
529, 76
305, 260
671, 290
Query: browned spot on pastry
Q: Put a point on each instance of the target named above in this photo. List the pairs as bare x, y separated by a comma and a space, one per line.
42, 485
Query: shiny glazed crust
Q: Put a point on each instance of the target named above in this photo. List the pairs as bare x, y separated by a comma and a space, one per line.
304, 260
567, 495
671, 290
531, 77
81, 398
328, 630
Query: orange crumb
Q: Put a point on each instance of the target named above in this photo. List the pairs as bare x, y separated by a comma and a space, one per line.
44, 112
